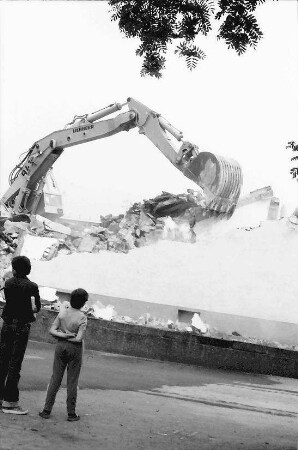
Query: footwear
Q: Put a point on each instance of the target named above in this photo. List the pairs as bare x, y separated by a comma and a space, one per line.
44, 414
14, 410
73, 417
6, 404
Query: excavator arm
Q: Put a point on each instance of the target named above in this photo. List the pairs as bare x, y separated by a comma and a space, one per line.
220, 179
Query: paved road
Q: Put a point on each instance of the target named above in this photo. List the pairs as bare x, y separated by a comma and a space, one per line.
130, 403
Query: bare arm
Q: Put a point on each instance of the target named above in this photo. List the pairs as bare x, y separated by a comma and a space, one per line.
36, 296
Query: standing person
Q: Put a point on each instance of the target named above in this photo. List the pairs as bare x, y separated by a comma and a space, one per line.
69, 328
18, 314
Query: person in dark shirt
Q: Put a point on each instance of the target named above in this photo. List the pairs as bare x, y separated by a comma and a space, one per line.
22, 301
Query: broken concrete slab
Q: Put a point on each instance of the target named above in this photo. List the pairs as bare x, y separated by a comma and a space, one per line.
87, 243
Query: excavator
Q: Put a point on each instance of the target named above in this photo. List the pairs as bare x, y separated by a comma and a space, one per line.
33, 189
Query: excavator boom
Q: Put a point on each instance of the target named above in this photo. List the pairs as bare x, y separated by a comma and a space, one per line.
219, 177
30, 181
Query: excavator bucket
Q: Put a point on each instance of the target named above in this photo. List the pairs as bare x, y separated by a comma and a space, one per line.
221, 180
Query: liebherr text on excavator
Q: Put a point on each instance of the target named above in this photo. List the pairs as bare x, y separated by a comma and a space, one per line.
32, 188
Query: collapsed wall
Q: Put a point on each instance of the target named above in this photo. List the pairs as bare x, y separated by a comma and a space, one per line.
250, 273
245, 266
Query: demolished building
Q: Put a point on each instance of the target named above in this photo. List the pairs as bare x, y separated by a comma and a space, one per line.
167, 217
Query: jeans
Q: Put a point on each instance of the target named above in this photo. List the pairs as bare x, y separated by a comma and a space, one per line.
67, 354
14, 340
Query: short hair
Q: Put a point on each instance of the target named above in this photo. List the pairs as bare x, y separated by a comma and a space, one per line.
21, 265
78, 298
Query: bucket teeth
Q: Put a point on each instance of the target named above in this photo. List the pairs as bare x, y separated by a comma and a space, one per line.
221, 180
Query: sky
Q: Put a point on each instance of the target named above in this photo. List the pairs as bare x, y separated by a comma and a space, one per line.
60, 59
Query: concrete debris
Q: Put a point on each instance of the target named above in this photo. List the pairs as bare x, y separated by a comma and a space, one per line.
48, 294
273, 210
50, 301
164, 217
5, 267
15, 227
87, 243
143, 224
235, 336
147, 222
170, 324
49, 225
235, 333
99, 311
171, 205
35, 237
198, 324
294, 217
40, 247
106, 313
178, 232
56, 305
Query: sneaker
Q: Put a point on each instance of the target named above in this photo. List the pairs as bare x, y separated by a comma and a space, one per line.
14, 410
73, 417
44, 414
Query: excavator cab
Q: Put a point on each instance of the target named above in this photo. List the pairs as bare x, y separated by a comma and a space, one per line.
50, 204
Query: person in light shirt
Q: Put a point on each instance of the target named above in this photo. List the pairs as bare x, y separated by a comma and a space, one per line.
68, 328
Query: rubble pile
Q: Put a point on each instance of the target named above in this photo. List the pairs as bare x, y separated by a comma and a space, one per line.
141, 225
247, 273
26, 237
166, 216
11, 233
244, 270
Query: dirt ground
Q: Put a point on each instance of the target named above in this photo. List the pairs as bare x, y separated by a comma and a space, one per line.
131, 403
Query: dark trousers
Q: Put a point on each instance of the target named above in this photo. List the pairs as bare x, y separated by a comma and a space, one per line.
67, 354
14, 340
